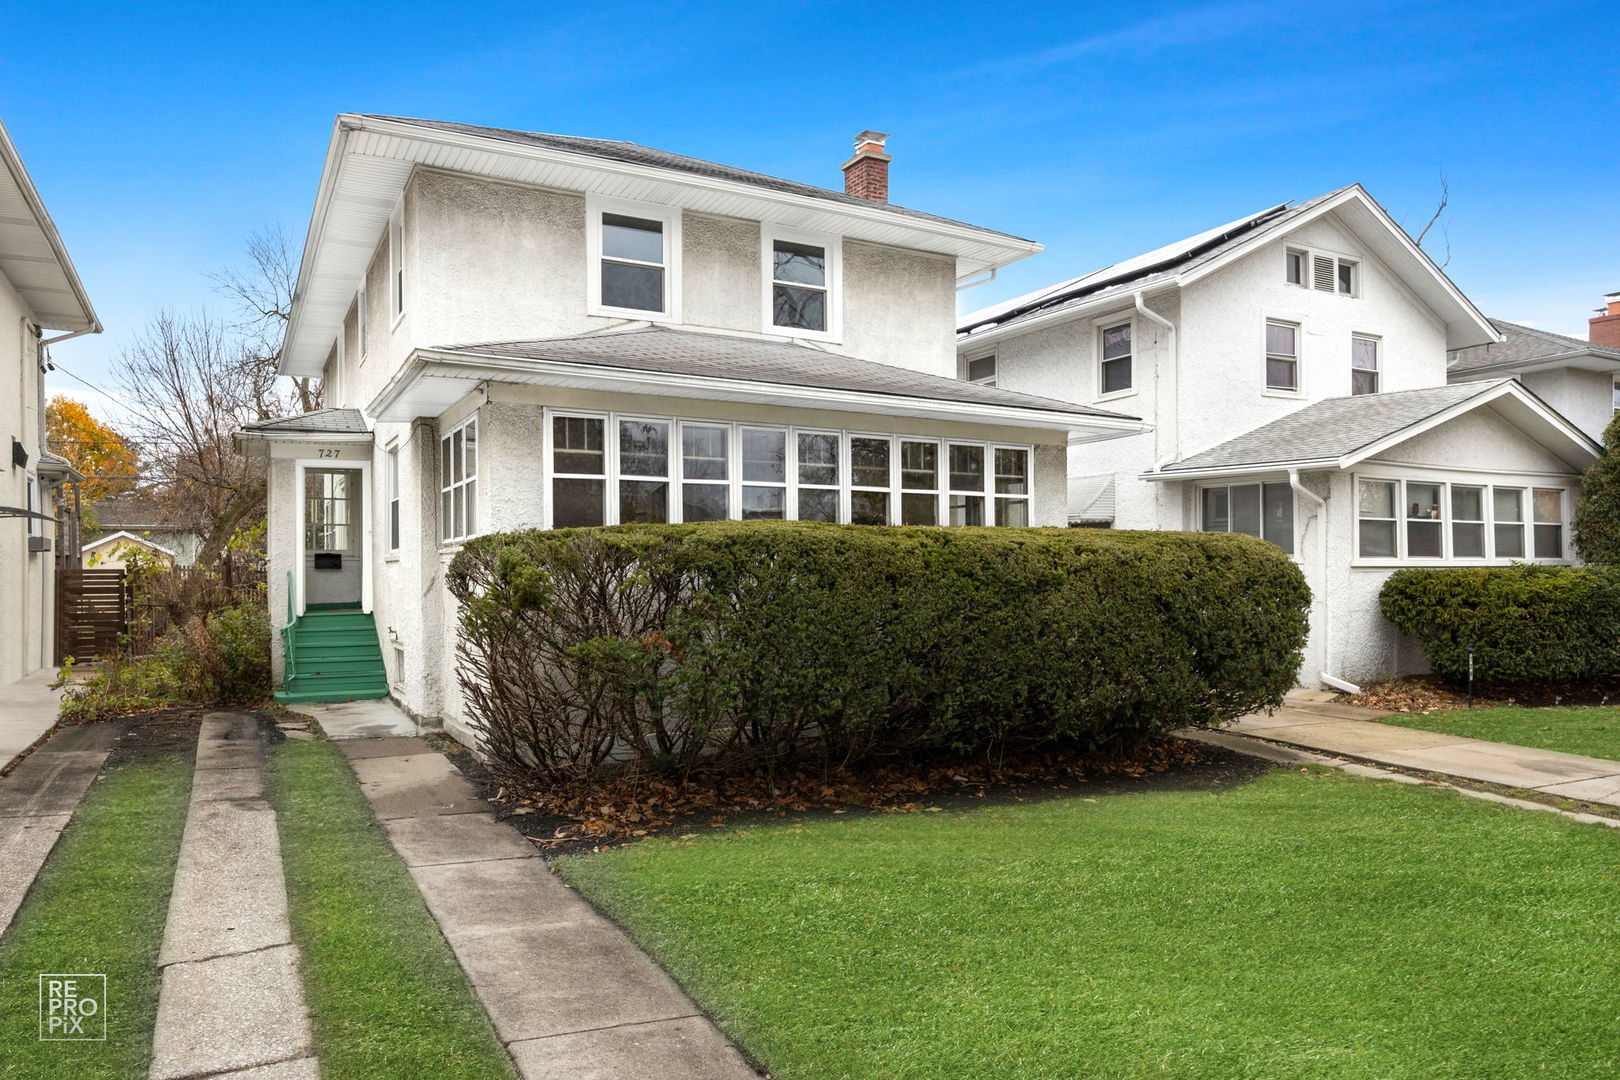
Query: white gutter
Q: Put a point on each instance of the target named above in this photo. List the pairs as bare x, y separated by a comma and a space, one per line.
1168, 388
1321, 562
47, 342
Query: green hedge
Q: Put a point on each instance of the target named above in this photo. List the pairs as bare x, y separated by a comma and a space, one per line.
1526, 624
758, 643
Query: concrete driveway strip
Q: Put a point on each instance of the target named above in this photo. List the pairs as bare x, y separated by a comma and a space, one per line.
37, 800
27, 710
232, 996
568, 992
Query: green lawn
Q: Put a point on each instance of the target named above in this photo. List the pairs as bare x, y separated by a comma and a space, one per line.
1306, 925
387, 996
1593, 730
98, 906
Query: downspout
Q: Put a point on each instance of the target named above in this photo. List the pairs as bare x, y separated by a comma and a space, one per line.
963, 284
1170, 404
1321, 562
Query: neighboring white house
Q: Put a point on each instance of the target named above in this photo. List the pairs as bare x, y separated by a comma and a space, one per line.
1293, 366
113, 551
39, 291
1581, 379
521, 330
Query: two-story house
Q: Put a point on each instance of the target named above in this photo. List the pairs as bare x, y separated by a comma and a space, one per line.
527, 330
39, 291
1293, 366
1581, 379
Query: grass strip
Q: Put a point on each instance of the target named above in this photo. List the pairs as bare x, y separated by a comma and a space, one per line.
1592, 730
99, 906
1304, 925
386, 994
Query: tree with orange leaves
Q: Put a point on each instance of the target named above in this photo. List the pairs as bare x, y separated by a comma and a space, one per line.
107, 459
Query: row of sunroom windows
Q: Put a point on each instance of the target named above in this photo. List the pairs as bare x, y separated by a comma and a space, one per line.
605, 469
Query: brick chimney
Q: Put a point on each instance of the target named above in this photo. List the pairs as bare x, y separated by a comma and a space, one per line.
1605, 329
866, 175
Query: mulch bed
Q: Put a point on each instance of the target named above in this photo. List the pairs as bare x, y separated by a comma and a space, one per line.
1429, 693
633, 808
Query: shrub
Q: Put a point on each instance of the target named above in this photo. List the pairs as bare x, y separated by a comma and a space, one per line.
1525, 623
752, 644
217, 659
1597, 511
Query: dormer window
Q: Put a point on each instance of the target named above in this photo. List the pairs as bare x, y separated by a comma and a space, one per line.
801, 283
981, 370
634, 255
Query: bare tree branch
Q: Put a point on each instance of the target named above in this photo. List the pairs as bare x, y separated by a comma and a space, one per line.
1445, 200
262, 293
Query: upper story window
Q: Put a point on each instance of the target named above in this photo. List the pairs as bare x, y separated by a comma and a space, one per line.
391, 490
458, 481
634, 256
1294, 266
1282, 356
981, 370
1363, 365
1115, 368
360, 322
802, 275
1617, 395
1322, 271
396, 265
1263, 510
1432, 521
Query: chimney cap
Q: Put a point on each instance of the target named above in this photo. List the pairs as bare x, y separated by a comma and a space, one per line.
879, 137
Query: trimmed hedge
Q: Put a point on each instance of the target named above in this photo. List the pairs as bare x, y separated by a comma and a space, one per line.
748, 644
1527, 624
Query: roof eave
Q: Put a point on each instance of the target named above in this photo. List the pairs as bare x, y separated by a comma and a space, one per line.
90, 323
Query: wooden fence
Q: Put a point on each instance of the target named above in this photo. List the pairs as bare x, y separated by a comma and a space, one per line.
92, 612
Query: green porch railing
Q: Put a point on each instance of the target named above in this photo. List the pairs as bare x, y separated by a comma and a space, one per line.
289, 661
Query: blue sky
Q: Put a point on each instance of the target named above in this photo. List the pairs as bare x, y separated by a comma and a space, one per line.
161, 135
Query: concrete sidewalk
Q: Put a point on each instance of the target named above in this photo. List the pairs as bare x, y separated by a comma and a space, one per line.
27, 711
1348, 731
569, 993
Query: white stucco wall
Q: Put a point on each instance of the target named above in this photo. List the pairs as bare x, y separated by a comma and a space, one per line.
28, 586
1585, 398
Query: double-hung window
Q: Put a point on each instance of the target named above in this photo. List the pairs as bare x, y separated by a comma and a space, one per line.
1263, 510
458, 480
1363, 365
643, 471
634, 256
764, 473
360, 322
919, 482
578, 471
705, 475
1426, 520
966, 478
391, 490
1115, 368
396, 265
818, 472
1282, 356
31, 496
801, 276
1012, 486
870, 480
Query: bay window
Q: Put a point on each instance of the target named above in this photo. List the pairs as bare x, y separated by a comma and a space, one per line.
458, 481
1263, 510
1425, 520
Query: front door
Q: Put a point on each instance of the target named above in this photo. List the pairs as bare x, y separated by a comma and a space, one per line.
332, 548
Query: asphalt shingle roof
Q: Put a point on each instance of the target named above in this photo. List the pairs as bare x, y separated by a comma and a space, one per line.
321, 421
1332, 428
636, 154
1524, 345
1142, 271
684, 352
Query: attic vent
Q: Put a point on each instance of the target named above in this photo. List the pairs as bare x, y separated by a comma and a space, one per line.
1322, 275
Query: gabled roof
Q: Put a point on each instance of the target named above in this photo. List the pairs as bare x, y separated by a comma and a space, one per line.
370, 159
1186, 261
318, 422
1336, 433
685, 363
1525, 348
32, 255
130, 537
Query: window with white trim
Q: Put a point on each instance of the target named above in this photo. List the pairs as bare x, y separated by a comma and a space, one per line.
1294, 266
644, 484
1616, 400
1012, 486
705, 471
981, 370
919, 482
391, 489
764, 473
1265, 510
1432, 521
396, 265
458, 481
967, 483
634, 257
36, 527
1114, 369
1282, 356
1363, 364
327, 510
360, 322
802, 276
578, 471
869, 479
1334, 274
818, 472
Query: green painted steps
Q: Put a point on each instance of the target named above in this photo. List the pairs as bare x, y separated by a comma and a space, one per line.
334, 655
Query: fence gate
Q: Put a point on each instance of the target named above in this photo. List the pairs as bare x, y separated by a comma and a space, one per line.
92, 612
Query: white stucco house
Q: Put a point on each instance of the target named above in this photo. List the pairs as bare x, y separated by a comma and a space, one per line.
528, 330
1579, 378
39, 291
1293, 366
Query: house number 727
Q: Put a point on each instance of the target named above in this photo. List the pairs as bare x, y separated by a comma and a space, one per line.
329, 453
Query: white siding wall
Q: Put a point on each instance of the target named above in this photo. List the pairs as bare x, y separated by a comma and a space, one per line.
27, 587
